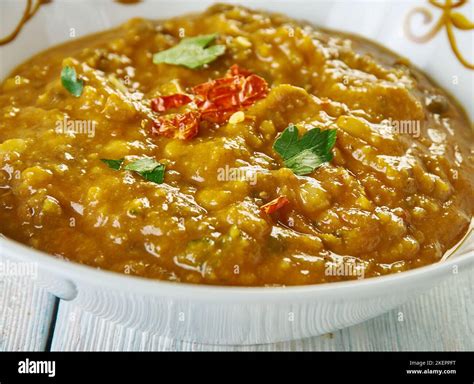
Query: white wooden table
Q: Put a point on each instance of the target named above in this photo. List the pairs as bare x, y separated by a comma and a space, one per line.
34, 320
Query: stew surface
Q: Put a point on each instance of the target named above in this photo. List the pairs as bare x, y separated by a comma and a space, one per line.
131, 163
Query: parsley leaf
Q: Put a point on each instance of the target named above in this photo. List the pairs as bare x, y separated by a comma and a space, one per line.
149, 169
156, 176
192, 52
114, 164
304, 155
144, 164
146, 167
70, 82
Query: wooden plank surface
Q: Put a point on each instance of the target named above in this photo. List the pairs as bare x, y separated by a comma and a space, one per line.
442, 319
26, 313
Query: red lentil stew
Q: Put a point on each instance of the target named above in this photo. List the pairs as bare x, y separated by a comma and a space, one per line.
233, 147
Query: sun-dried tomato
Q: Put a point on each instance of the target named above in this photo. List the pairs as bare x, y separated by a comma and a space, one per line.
183, 126
274, 205
163, 103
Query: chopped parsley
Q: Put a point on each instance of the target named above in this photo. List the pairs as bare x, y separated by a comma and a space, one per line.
149, 169
146, 167
70, 81
191, 52
304, 155
114, 164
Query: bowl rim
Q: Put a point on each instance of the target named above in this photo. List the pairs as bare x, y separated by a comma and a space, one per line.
75, 272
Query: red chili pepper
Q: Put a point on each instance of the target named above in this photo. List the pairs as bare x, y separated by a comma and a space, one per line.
219, 99
216, 101
163, 103
183, 126
254, 88
274, 205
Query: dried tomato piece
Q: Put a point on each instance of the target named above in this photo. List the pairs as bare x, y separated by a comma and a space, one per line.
183, 126
163, 103
274, 205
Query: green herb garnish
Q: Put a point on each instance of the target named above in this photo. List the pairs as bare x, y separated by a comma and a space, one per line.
146, 167
70, 81
114, 164
191, 52
304, 155
149, 169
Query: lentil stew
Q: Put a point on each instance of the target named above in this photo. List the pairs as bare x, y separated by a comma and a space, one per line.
233, 147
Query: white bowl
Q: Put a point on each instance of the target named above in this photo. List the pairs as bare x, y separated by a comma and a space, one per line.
230, 315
